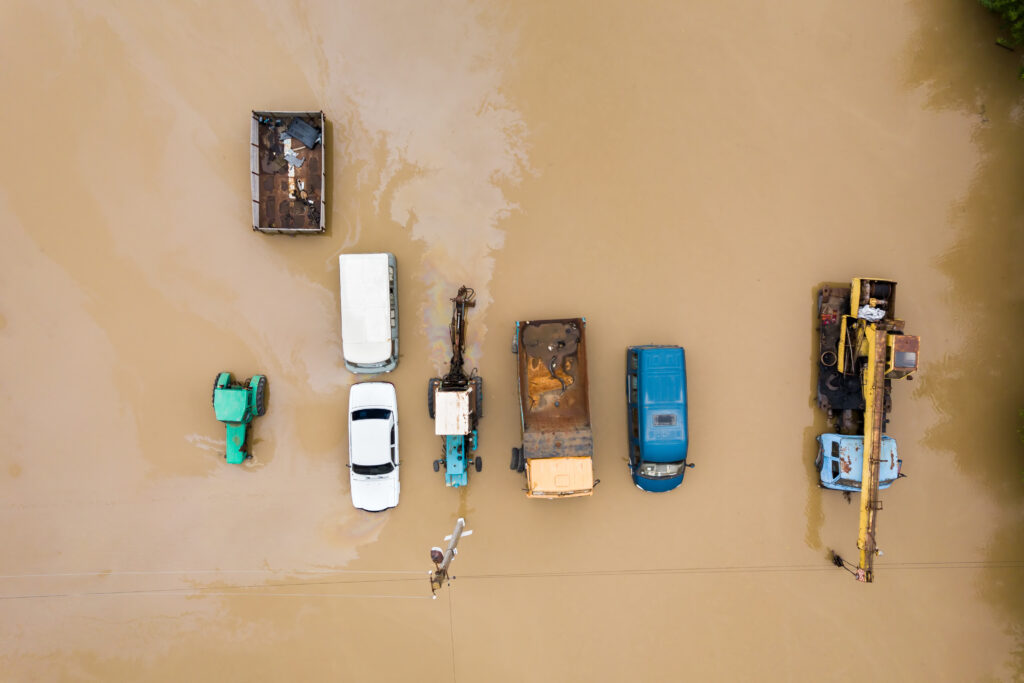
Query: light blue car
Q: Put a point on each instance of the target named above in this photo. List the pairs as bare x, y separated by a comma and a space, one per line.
840, 462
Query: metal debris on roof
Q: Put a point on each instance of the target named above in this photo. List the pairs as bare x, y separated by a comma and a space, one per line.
303, 132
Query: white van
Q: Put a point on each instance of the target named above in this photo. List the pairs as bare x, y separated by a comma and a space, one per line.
369, 312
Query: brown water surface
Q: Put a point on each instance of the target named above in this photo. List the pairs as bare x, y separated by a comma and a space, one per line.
676, 172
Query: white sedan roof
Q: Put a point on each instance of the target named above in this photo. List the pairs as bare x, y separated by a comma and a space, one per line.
371, 442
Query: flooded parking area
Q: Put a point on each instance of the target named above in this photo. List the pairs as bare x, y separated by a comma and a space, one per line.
679, 174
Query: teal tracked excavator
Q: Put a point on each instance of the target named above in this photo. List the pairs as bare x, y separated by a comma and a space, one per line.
236, 404
456, 402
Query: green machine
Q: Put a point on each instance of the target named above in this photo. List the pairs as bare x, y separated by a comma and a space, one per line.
236, 404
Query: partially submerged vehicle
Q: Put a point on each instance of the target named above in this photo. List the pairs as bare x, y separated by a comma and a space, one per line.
557, 448
369, 312
658, 432
236, 404
373, 446
286, 160
840, 462
456, 402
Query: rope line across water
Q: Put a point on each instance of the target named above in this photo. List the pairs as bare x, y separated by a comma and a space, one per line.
251, 590
176, 572
752, 569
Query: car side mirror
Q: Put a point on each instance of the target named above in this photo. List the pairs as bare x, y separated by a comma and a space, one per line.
691, 464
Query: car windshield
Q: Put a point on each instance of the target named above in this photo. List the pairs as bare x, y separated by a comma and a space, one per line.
373, 469
657, 470
371, 414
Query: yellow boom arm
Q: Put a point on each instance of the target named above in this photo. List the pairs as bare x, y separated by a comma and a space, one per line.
873, 380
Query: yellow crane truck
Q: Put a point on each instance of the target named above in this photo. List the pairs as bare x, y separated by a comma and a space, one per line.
862, 349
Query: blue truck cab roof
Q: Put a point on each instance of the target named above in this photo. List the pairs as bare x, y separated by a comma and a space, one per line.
658, 405
840, 462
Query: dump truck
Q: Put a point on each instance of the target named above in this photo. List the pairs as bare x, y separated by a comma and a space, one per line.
557, 447
862, 349
286, 163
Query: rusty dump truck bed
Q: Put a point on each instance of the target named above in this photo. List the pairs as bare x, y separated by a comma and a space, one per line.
553, 388
287, 172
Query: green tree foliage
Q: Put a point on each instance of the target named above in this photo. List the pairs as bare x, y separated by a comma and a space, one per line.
1012, 14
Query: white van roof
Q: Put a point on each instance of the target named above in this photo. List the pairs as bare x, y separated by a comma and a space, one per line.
365, 308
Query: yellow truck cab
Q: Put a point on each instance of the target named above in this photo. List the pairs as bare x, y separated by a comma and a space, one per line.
557, 446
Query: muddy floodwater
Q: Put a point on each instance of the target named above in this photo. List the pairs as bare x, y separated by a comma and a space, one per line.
679, 173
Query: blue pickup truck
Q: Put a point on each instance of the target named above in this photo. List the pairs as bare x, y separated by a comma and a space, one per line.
656, 408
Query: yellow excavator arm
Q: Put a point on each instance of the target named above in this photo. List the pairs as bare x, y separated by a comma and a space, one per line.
873, 387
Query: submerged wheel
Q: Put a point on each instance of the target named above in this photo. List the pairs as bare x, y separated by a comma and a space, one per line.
432, 384
518, 463
478, 463
437, 465
261, 397
478, 395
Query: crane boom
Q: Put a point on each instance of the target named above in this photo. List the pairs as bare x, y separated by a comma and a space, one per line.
456, 376
874, 417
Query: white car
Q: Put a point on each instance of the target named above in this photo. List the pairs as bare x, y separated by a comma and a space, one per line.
373, 445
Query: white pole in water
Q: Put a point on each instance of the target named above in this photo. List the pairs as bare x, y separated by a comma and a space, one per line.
443, 560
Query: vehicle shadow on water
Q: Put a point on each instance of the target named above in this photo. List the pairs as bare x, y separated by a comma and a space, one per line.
814, 509
976, 389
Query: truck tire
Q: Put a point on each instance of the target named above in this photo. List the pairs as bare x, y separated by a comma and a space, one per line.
478, 463
514, 465
432, 384
213, 396
478, 395
437, 465
261, 397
